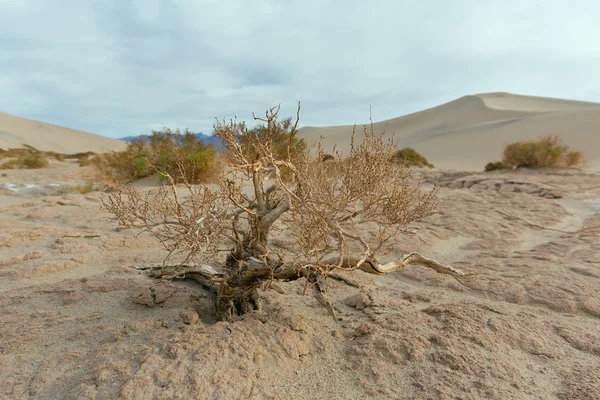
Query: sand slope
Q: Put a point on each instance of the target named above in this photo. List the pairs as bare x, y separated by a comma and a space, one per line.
15, 131
469, 132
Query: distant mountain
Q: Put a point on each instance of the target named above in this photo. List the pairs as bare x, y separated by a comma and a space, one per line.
201, 136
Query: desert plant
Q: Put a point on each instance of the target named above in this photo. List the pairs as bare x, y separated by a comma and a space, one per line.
324, 213
58, 156
181, 156
281, 138
35, 161
493, 166
84, 188
83, 161
10, 164
545, 152
411, 157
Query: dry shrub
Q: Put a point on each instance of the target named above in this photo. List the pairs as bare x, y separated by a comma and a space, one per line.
183, 156
35, 161
27, 161
58, 156
14, 153
326, 212
545, 152
10, 164
83, 161
411, 157
494, 166
30, 157
84, 188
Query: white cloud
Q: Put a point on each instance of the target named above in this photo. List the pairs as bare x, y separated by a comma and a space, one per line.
117, 68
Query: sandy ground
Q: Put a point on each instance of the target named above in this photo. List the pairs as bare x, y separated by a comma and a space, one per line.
77, 321
469, 132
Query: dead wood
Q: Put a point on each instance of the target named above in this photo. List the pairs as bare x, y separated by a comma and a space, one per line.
325, 207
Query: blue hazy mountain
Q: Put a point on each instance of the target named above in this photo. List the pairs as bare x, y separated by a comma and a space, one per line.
201, 136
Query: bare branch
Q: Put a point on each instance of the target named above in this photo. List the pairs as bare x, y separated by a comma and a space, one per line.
342, 215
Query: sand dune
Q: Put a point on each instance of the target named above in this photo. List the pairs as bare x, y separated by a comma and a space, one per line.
469, 132
15, 131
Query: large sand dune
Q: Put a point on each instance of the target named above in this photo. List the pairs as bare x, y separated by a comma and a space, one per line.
15, 132
471, 131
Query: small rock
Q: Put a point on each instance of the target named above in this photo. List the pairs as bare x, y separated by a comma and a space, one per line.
189, 317
366, 329
479, 186
360, 301
72, 297
507, 188
337, 335
297, 324
468, 184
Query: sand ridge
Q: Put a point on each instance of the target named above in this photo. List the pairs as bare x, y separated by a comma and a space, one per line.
15, 131
471, 131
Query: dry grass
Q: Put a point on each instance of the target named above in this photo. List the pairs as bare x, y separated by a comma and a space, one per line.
27, 161
31, 158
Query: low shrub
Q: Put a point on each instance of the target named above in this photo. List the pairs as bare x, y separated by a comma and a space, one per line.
29, 161
497, 165
411, 157
35, 161
83, 161
544, 152
183, 156
10, 164
84, 188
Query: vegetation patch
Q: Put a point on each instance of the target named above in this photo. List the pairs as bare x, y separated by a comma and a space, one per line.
182, 156
411, 158
544, 152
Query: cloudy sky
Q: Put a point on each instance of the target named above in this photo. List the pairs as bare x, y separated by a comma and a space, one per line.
124, 67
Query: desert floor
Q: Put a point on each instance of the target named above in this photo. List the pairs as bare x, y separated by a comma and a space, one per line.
77, 321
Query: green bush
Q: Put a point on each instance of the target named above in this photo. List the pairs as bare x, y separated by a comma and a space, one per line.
497, 165
165, 151
411, 157
281, 133
545, 152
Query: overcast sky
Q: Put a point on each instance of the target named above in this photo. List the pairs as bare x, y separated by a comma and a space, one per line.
124, 67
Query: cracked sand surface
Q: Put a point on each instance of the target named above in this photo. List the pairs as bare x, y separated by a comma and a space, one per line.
77, 322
